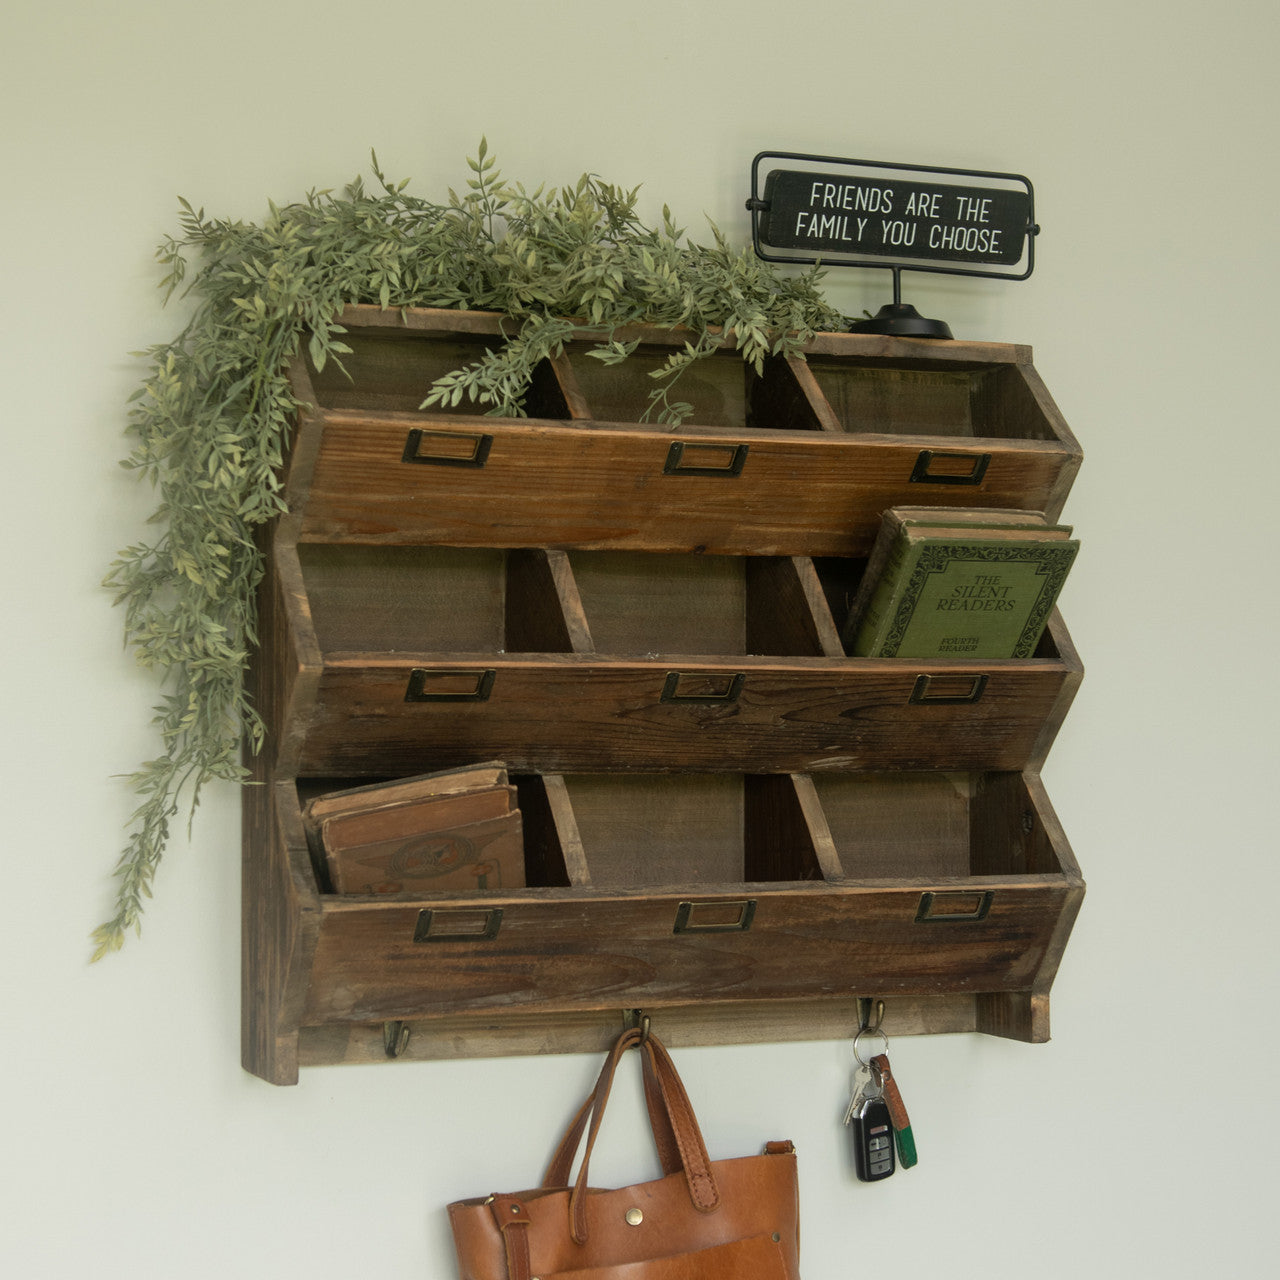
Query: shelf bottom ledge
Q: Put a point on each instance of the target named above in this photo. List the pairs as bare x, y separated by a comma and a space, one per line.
1012, 1015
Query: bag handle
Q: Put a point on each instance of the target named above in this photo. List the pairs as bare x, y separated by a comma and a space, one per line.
678, 1112
560, 1170
669, 1103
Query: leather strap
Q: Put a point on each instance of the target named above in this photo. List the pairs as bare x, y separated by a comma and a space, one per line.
600, 1098
671, 1118
664, 1137
684, 1125
513, 1220
560, 1171
892, 1095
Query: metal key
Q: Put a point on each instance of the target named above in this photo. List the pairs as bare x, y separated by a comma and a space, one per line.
861, 1080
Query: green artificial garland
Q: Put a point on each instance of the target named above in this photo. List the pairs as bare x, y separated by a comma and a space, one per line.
213, 417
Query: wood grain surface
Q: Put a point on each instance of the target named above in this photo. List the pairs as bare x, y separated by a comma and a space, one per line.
727, 822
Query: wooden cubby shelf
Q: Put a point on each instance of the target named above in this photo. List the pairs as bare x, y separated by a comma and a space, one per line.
727, 821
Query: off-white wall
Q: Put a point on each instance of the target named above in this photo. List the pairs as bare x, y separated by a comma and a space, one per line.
133, 1143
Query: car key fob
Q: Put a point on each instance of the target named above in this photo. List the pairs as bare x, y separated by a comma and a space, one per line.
872, 1131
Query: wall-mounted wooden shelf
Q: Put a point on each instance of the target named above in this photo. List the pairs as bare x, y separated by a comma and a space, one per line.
727, 821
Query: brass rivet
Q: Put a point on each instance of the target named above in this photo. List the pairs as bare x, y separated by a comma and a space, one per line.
777, 1239
635, 1217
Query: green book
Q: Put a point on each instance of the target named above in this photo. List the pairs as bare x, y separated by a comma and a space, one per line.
959, 583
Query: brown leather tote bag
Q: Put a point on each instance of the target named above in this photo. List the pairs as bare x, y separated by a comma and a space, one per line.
703, 1220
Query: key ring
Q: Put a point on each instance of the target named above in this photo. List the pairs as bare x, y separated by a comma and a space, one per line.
871, 1029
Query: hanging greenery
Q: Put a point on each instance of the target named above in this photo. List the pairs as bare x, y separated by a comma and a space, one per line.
213, 415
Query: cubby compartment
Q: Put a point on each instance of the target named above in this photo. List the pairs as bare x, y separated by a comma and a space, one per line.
897, 825
722, 389
365, 599
686, 829
690, 604
936, 825
389, 371
924, 398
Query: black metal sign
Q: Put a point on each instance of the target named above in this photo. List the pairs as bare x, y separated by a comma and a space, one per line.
864, 213
839, 210
821, 212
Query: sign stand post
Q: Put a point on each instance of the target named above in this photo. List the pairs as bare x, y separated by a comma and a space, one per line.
901, 318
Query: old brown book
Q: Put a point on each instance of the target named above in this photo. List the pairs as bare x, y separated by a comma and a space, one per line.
473, 777
488, 854
430, 813
453, 830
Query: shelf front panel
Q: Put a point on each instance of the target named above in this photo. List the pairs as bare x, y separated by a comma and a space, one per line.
415, 479
577, 949
384, 716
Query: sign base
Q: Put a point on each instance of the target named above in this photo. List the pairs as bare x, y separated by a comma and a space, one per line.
903, 321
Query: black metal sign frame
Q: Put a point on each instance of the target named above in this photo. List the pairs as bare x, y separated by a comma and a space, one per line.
847, 199
757, 205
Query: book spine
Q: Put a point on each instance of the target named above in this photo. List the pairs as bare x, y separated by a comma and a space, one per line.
877, 613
